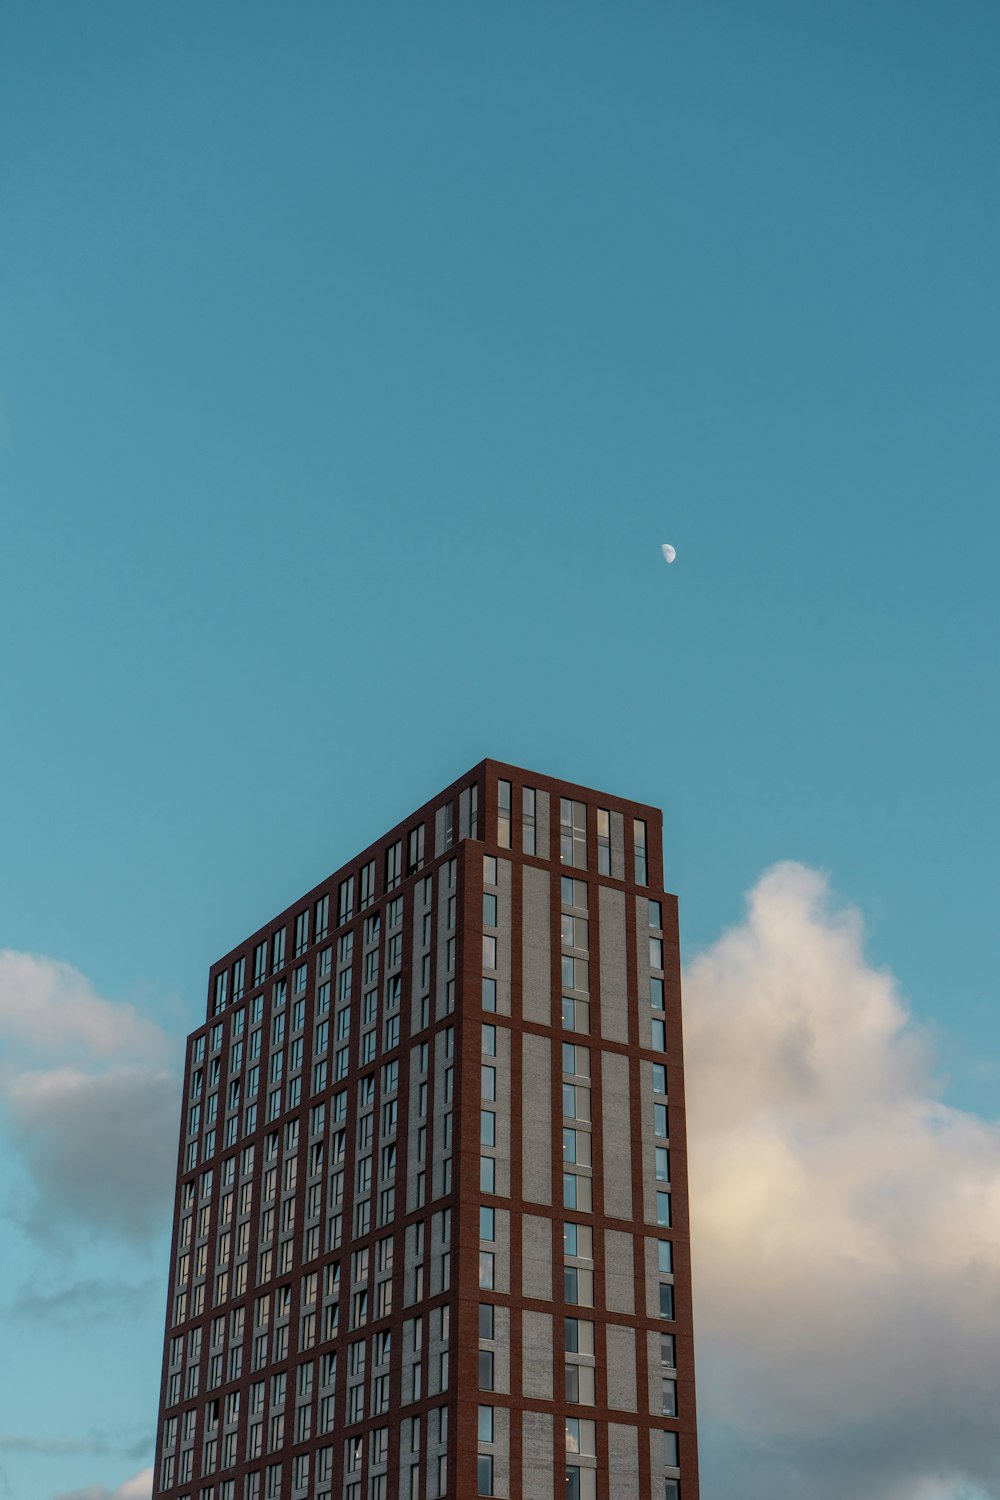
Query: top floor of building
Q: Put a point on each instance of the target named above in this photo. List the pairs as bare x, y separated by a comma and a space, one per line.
522, 814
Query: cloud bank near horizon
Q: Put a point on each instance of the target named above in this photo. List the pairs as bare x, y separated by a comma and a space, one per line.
846, 1222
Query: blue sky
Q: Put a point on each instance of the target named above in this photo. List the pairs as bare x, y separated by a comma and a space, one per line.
354, 362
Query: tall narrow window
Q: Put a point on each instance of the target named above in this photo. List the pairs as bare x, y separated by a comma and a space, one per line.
322, 918
639, 838
415, 850
603, 841
393, 865
278, 951
301, 933
503, 814
221, 987
345, 901
259, 963
573, 833
528, 820
367, 885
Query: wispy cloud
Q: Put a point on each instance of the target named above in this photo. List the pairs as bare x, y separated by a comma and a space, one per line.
138, 1487
847, 1222
19, 1442
87, 1301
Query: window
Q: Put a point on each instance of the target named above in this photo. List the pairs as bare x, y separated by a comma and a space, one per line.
487, 1174
577, 1193
580, 1385
576, 1061
487, 1128
581, 1436
666, 1300
603, 841
656, 997
581, 1484
487, 1224
489, 994
528, 801
639, 840
503, 814
301, 933
367, 885
259, 963
345, 901
665, 1257
484, 1470
573, 833
671, 1457
579, 1336
489, 869
668, 1397
578, 1241
393, 865
659, 1079
668, 1357
221, 987
576, 1015
487, 1270
659, 1037
415, 849
663, 1210
485, 1369
278, 951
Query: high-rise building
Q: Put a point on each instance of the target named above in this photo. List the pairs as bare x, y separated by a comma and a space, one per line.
431, 1226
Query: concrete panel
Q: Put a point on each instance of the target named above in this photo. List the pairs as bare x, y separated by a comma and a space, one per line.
536, 1256
536, 1107
617, 1135
501, 1450
619, 1272
642, 971
537, 1357
621, 1368
501, 1357
536, 974
623, 1460
614, 989
536, 1440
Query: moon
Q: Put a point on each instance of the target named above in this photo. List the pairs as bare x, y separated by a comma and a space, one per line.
669, 552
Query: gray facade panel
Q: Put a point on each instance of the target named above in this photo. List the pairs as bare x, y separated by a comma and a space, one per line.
617, 1136
536, 975
614, 990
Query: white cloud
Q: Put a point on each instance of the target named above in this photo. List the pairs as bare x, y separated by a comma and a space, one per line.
48, 1006
139, 1487
846, 1221
89, 1100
